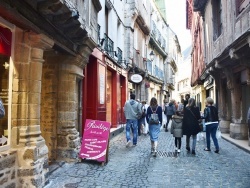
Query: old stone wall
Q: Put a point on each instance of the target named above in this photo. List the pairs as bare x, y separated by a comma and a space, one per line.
49, 105
8, 169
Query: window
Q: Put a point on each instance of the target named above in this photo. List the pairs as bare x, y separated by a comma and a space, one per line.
217, 18
6, 67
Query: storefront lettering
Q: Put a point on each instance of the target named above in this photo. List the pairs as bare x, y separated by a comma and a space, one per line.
93, 124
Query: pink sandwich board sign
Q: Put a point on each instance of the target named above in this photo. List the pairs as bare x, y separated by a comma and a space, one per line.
95, 140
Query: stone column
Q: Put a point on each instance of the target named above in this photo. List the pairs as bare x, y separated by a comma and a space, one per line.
248, 101
32, 151
224, 107
237, 128
223, 98
70, 68
68, 141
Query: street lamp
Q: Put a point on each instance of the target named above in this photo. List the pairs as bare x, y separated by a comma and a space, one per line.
152, 55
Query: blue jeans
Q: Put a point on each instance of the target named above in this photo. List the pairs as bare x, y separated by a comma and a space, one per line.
211, 130
194, 137
132, 124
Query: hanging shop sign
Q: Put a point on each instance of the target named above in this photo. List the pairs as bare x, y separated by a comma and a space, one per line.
136, 78
95, 140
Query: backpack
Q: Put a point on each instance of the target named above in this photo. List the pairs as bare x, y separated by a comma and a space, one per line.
154, 119
2, 111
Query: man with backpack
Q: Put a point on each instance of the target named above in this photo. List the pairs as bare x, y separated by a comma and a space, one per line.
132, 111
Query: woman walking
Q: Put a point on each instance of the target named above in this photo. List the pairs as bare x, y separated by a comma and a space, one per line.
154, 119
211, 122
191, 124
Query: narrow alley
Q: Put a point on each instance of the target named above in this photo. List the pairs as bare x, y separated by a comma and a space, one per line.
136, 167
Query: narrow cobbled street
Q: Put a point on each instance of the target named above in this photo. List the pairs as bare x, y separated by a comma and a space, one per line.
135, 167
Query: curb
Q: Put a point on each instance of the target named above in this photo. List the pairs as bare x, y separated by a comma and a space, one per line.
116, 132
237, 145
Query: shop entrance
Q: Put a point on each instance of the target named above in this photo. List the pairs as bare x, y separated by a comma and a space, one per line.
109, 97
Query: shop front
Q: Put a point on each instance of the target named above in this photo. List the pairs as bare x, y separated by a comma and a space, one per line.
104, 90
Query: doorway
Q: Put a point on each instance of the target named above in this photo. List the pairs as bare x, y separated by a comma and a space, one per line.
109, 97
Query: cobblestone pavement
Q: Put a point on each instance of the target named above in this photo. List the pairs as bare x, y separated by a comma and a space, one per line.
135, 167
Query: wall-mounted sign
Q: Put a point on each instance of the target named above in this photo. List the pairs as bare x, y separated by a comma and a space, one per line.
136, 78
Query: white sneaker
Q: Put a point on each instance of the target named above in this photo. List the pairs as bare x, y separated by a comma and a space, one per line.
178, 150
128, 144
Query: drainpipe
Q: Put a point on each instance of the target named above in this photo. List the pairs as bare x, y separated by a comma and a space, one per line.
205, 41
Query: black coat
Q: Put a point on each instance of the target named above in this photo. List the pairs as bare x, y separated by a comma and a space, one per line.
190, 123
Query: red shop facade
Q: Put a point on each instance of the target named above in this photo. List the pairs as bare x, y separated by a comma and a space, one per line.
104, 90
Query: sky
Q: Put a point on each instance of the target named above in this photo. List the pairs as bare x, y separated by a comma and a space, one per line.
176, 18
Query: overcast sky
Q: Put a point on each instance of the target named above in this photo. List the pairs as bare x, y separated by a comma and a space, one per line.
176, 18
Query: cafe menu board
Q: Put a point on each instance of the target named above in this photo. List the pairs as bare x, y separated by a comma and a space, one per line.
95, 140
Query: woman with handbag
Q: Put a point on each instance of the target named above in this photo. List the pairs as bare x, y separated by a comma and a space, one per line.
211, 122
154, 120
190, 123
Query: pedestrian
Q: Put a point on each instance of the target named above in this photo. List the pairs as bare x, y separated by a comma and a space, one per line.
248, 119
139, 120
169, 112
143, 118
154, 119
146, 131
180, 108
190, 123
175, 104
132, 110
211, 123
176, 130
187, 96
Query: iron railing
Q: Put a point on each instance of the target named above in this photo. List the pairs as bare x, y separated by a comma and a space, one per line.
108, 45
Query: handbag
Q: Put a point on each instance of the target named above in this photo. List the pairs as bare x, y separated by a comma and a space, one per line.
218, 133
2, 110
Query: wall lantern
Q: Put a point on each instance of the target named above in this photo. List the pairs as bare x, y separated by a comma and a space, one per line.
152, 56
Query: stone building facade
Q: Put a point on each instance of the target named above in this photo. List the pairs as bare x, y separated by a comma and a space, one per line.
44, 47
137, 18
226, 49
